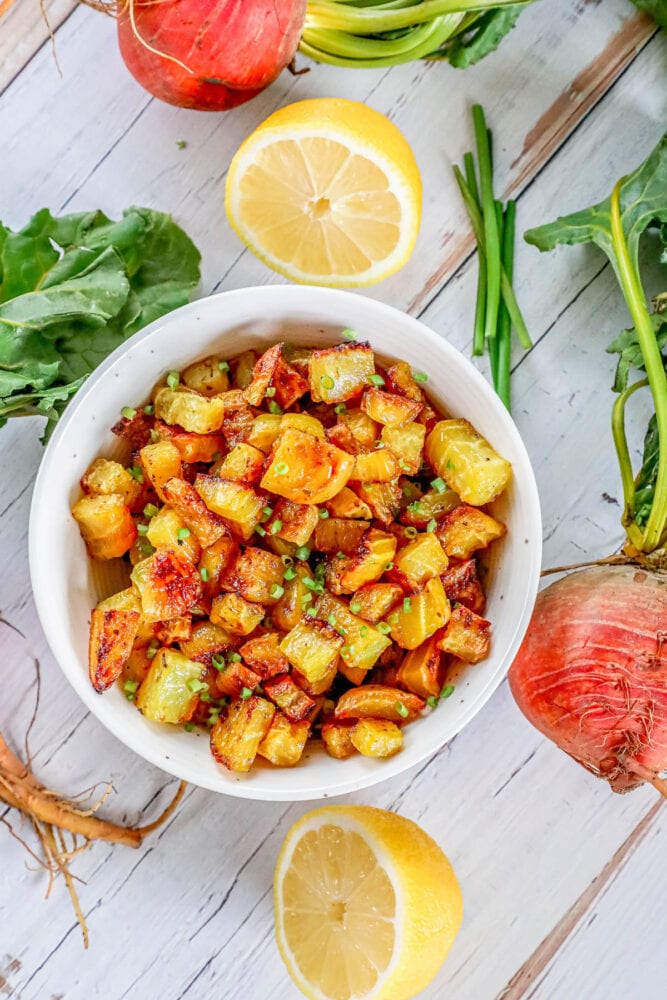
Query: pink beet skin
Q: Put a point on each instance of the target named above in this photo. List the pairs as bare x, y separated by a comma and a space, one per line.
591, 673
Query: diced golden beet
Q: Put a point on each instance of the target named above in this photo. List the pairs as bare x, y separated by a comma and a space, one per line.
296, 521
256, 575
236, 738
242, 368
234, 677
207, 526
192, 412
375, 701
290, 608
243, 464
363, 643
271, 369
297, 356
388, 408
191, 447
418, 561
347, 504
166, 529
169, 584
467, 635
264, 431
373, 601
173, 630
422, 670
467, 462
166, 695
112, 635
399, 379
285, 741
136, 430
355, 675
137, 664
428, 611
105, 524
342, 437
280, 546
373, 556
312, 646
236, 615
339, 373
124, 600
214, 562
407, 444
376, 467
432, 506
466, 530
365, 430
238, 505
336, 737
339, 534
238, 419
303, 422
105, 477
319, 687
306, 470
384, 499
206, 641
263, 655
462, 585
288, 696
207, 376
161, 461
376, 737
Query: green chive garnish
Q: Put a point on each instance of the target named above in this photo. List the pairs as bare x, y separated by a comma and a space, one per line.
281, 468
383, 627
411, 532
355, 608
276, 591
271, 391
340, 555
348, 335
149, 410
393, 618
407, 604
340, 408
173, 378
439, 485
142, 529
401, 709
130, 686
223, 366
260, 530
189, 726
363, 631
128, 412
432, 525
332, 620
183, 533
152, 650
203, 572
150, 510
324, 514
196, 686
327, 382
218, 661
137, 473
432, 702
302, 553
289, 573
275, 407
376, 380
420, 376
447, 691
276, 527
267, 511
234, 657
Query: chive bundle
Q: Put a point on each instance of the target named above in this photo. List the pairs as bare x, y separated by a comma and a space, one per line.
496, 310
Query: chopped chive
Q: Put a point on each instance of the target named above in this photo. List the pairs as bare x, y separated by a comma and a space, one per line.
376, 380
340, 555
218, 661
276, 527
393, 618
340, 408
432, 702
281, 468
203, 572
149, 410
306, 599
411, 531
286, 560
383, 627
404, 465
401, 709
302, 553
234, 657
420, 376
155, 437
345, 651
456, 605
490, 222
246, 693
315, 585
147, 548
355, 608
188, 727
320, 571
348, 334
270, 391
136, 472
324, 514
276, 591
260, 530
205, 696
327, 382
447, 691
150, 510
416, 507
363, 631
341, 630
289, 573
196, 686
275, 407
128, 412
310, 611
183, 533
450, 465
267, 511
388, 565
173, 378
142, 529
223, 366
332, 620
432, 525
152, 650
439, 485
407, 604
130, 686
217, 456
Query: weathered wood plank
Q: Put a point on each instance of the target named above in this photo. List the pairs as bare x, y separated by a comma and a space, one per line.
25, 27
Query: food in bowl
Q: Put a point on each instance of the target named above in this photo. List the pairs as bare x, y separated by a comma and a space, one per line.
303, 530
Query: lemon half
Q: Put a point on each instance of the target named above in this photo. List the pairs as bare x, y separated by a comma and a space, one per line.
366, 905
326, 191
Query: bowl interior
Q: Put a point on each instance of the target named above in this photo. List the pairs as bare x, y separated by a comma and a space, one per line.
67, 584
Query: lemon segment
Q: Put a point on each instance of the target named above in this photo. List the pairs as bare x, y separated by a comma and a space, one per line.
366, 905
326, 191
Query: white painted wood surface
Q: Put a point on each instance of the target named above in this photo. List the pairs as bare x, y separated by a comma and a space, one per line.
563, 885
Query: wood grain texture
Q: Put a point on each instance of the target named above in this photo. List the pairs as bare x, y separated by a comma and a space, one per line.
25, 28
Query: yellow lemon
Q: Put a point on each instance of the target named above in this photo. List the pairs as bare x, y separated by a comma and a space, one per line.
366, 905
326, 191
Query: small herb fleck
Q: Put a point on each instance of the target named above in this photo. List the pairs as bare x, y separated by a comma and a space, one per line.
401, 709
173, 378
128, 412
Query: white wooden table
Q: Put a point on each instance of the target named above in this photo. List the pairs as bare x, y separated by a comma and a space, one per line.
564, 883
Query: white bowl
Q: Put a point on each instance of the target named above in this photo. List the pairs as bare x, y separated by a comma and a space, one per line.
67, 584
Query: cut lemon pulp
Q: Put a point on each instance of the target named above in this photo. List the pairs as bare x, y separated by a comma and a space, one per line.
326, 191
366, 905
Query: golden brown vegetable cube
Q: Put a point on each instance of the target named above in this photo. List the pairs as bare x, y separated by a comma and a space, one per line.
407, 444
243, 464
167, 694
376, 737
238, 505
365, 430
306, 470
343, 438
112, 635
285, 741
467, 636
339, 534
427, 611
207, 377
466, 530
363, 643
263, 655
206, 641
264, 431
355, 675
289, 697
384, 499
239, 417
348, 504
207, 526
105, 524
375, 701
167, 529
256, 575
373, 556
138, 663
339, 373
319, 687
462, 585
236, 615
400, 379
290, 608
214, 562
373, 601
336, 736
234, 677
192, 412
388, 408
312, 646
375, 467
419, 561
467, 462
169, 584
124, 600
173, 630
105, 477
236, 738
431, 506
295, 522
303, 422
242, 367
272, 370
191, 447
135, 430
161, 461
423, 669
